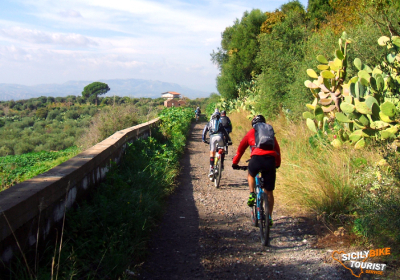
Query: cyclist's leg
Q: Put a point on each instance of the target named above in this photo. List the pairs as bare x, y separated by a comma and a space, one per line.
213, 147
269, 178
270, 195
252, 182
253, 169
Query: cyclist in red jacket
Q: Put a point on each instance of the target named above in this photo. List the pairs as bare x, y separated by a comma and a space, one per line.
264, 161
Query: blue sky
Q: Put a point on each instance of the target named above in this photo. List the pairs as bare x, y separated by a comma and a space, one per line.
55, 41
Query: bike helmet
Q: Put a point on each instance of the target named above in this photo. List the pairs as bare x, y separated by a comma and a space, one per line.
216, 110
223, 113
257, 119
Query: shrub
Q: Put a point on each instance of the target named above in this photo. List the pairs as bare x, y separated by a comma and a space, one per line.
53, 114
376, 219
72, 115
41, 113
107, 122
23, 148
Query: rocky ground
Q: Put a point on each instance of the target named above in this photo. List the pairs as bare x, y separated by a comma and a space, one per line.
206, 232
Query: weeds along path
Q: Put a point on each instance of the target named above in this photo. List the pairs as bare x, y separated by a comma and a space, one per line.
206, 232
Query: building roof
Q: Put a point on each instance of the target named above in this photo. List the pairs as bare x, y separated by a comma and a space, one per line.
171, 92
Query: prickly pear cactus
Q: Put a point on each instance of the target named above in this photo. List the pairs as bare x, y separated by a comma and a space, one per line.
366, 106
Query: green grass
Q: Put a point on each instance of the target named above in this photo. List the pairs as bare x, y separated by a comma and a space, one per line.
18, 168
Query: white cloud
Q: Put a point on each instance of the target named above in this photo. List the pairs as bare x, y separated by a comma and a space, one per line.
70, 14
40, 37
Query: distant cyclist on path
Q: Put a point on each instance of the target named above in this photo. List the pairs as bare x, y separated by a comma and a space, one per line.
265, 158
218, 137
197, 113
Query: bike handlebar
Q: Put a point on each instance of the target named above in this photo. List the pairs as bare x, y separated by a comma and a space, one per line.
241, 168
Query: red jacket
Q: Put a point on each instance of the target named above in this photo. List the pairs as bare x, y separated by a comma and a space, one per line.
250, 140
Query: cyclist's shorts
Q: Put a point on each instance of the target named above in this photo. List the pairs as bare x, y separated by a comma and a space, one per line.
216, 140
266, 165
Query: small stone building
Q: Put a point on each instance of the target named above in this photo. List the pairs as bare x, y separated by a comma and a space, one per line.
173, 99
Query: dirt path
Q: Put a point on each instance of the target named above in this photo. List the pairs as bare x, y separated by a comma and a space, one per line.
206, 232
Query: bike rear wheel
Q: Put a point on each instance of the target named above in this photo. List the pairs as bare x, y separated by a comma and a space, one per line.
264, 222
217, 176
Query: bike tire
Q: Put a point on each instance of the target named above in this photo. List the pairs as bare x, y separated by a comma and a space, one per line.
253, 216
264, 222
217, 178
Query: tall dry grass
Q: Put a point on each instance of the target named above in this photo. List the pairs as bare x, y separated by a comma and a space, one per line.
108, 121
311, 178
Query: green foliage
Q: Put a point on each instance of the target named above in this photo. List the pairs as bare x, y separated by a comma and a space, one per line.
16, 169
374, 216
366, 100
93, 90
239, 49
129, 205
58, 131
175, 122
42, 113
280, 53
318, 10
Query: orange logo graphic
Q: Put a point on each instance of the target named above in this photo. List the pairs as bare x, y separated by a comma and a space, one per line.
340, 261
358, 260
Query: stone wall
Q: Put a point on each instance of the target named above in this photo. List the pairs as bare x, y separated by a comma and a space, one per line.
36, 206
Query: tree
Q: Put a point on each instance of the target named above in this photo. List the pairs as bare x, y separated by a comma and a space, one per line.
93, 90
281, 49
239, 47
318, 10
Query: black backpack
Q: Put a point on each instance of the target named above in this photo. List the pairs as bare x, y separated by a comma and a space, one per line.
265, 136
224, 121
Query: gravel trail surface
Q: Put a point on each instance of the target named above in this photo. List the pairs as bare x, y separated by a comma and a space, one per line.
206, 232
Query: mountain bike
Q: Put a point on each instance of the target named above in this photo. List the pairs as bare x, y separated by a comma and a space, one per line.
259, 213
217, 174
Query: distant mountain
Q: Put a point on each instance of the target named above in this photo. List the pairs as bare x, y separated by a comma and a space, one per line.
119, 87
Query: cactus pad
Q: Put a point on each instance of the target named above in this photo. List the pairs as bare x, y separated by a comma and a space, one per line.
347, 107
322, 59
327, 74
342, 117
308, 115
358, 63
363, 108
360, 144
311, 125
312, 73
388, 109
336, 143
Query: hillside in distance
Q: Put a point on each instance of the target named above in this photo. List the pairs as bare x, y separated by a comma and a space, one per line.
119, 87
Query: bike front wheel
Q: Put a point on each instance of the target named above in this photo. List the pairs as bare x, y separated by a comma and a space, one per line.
253, 216
264, 222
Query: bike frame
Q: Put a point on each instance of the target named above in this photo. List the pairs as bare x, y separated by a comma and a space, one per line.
259, 192
217, 165
218, 153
